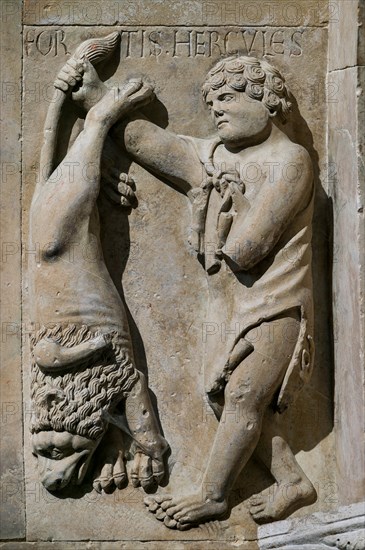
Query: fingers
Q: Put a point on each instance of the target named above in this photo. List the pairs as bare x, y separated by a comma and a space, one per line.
138, 93
128, 180
119, 187
70, 74
119, 198
88, 70
126, 191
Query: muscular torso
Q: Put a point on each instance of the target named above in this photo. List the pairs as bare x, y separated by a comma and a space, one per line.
74, 285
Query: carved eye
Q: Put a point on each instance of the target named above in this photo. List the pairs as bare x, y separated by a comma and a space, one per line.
227, 97
56, 454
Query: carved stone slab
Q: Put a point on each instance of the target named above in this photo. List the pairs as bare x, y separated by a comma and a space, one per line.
164, 286
147, 314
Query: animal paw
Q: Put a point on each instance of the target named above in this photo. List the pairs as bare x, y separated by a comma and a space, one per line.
146, 472
110, 466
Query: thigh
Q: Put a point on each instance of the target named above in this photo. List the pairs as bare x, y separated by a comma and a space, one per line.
259, 376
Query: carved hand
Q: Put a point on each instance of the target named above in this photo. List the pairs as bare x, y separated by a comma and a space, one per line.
81, 79
119, 187
223, 180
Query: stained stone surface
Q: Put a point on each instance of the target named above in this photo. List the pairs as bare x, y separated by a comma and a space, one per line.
343, 529
346, 157
192, 12
173, 47
12, 516
165, 288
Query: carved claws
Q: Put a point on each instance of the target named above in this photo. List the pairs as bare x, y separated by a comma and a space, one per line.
110, 467
111, 471
146, 471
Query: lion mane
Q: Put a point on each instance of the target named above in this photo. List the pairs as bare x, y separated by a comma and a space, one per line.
76, 402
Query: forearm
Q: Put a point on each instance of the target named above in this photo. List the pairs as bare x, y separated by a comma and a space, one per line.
160, 151
249, 243
243, 255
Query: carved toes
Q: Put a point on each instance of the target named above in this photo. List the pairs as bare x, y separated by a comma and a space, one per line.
141, 473
112, 474
163, 515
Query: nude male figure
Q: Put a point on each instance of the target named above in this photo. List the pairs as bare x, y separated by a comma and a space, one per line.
83, 365
245, 231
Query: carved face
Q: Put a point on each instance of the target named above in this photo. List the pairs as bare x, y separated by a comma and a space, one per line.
236, 116
63, 458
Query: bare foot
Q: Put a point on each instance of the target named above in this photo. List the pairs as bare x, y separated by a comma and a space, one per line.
185, 512
110, 468
281, 500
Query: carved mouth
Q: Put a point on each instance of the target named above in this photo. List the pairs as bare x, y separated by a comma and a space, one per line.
82, 467
222, 122
68, 471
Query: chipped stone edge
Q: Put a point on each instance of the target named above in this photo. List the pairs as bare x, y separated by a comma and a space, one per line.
342, 529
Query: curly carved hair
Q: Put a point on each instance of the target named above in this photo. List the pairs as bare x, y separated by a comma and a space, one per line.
75, 402
257, 78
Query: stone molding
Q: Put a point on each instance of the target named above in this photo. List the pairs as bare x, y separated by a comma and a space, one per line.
343, 529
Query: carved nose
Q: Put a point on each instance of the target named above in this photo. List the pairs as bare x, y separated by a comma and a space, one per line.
53, 481
218, 113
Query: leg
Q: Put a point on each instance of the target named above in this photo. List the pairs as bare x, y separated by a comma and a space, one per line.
110, 468
148, 444
292, 489
71, 191
247, 395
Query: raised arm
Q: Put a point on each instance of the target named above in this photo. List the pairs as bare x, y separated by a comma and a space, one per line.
274, 208
160, 151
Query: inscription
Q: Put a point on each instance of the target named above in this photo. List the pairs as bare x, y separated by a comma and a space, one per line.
182, 42
46, 42
210, 43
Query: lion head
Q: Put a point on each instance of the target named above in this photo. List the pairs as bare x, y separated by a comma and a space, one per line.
69, 407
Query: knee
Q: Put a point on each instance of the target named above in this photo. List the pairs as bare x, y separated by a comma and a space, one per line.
245, 400
241, 394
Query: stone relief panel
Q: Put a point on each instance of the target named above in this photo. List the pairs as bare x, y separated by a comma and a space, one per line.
170, 240
82, 353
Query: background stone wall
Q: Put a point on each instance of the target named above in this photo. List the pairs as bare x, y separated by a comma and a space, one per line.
315, 45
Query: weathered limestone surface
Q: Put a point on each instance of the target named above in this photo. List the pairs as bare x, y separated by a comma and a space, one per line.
120, 545
347, 190
343, 529
12, 515
172, 47
162, 271
191, 12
